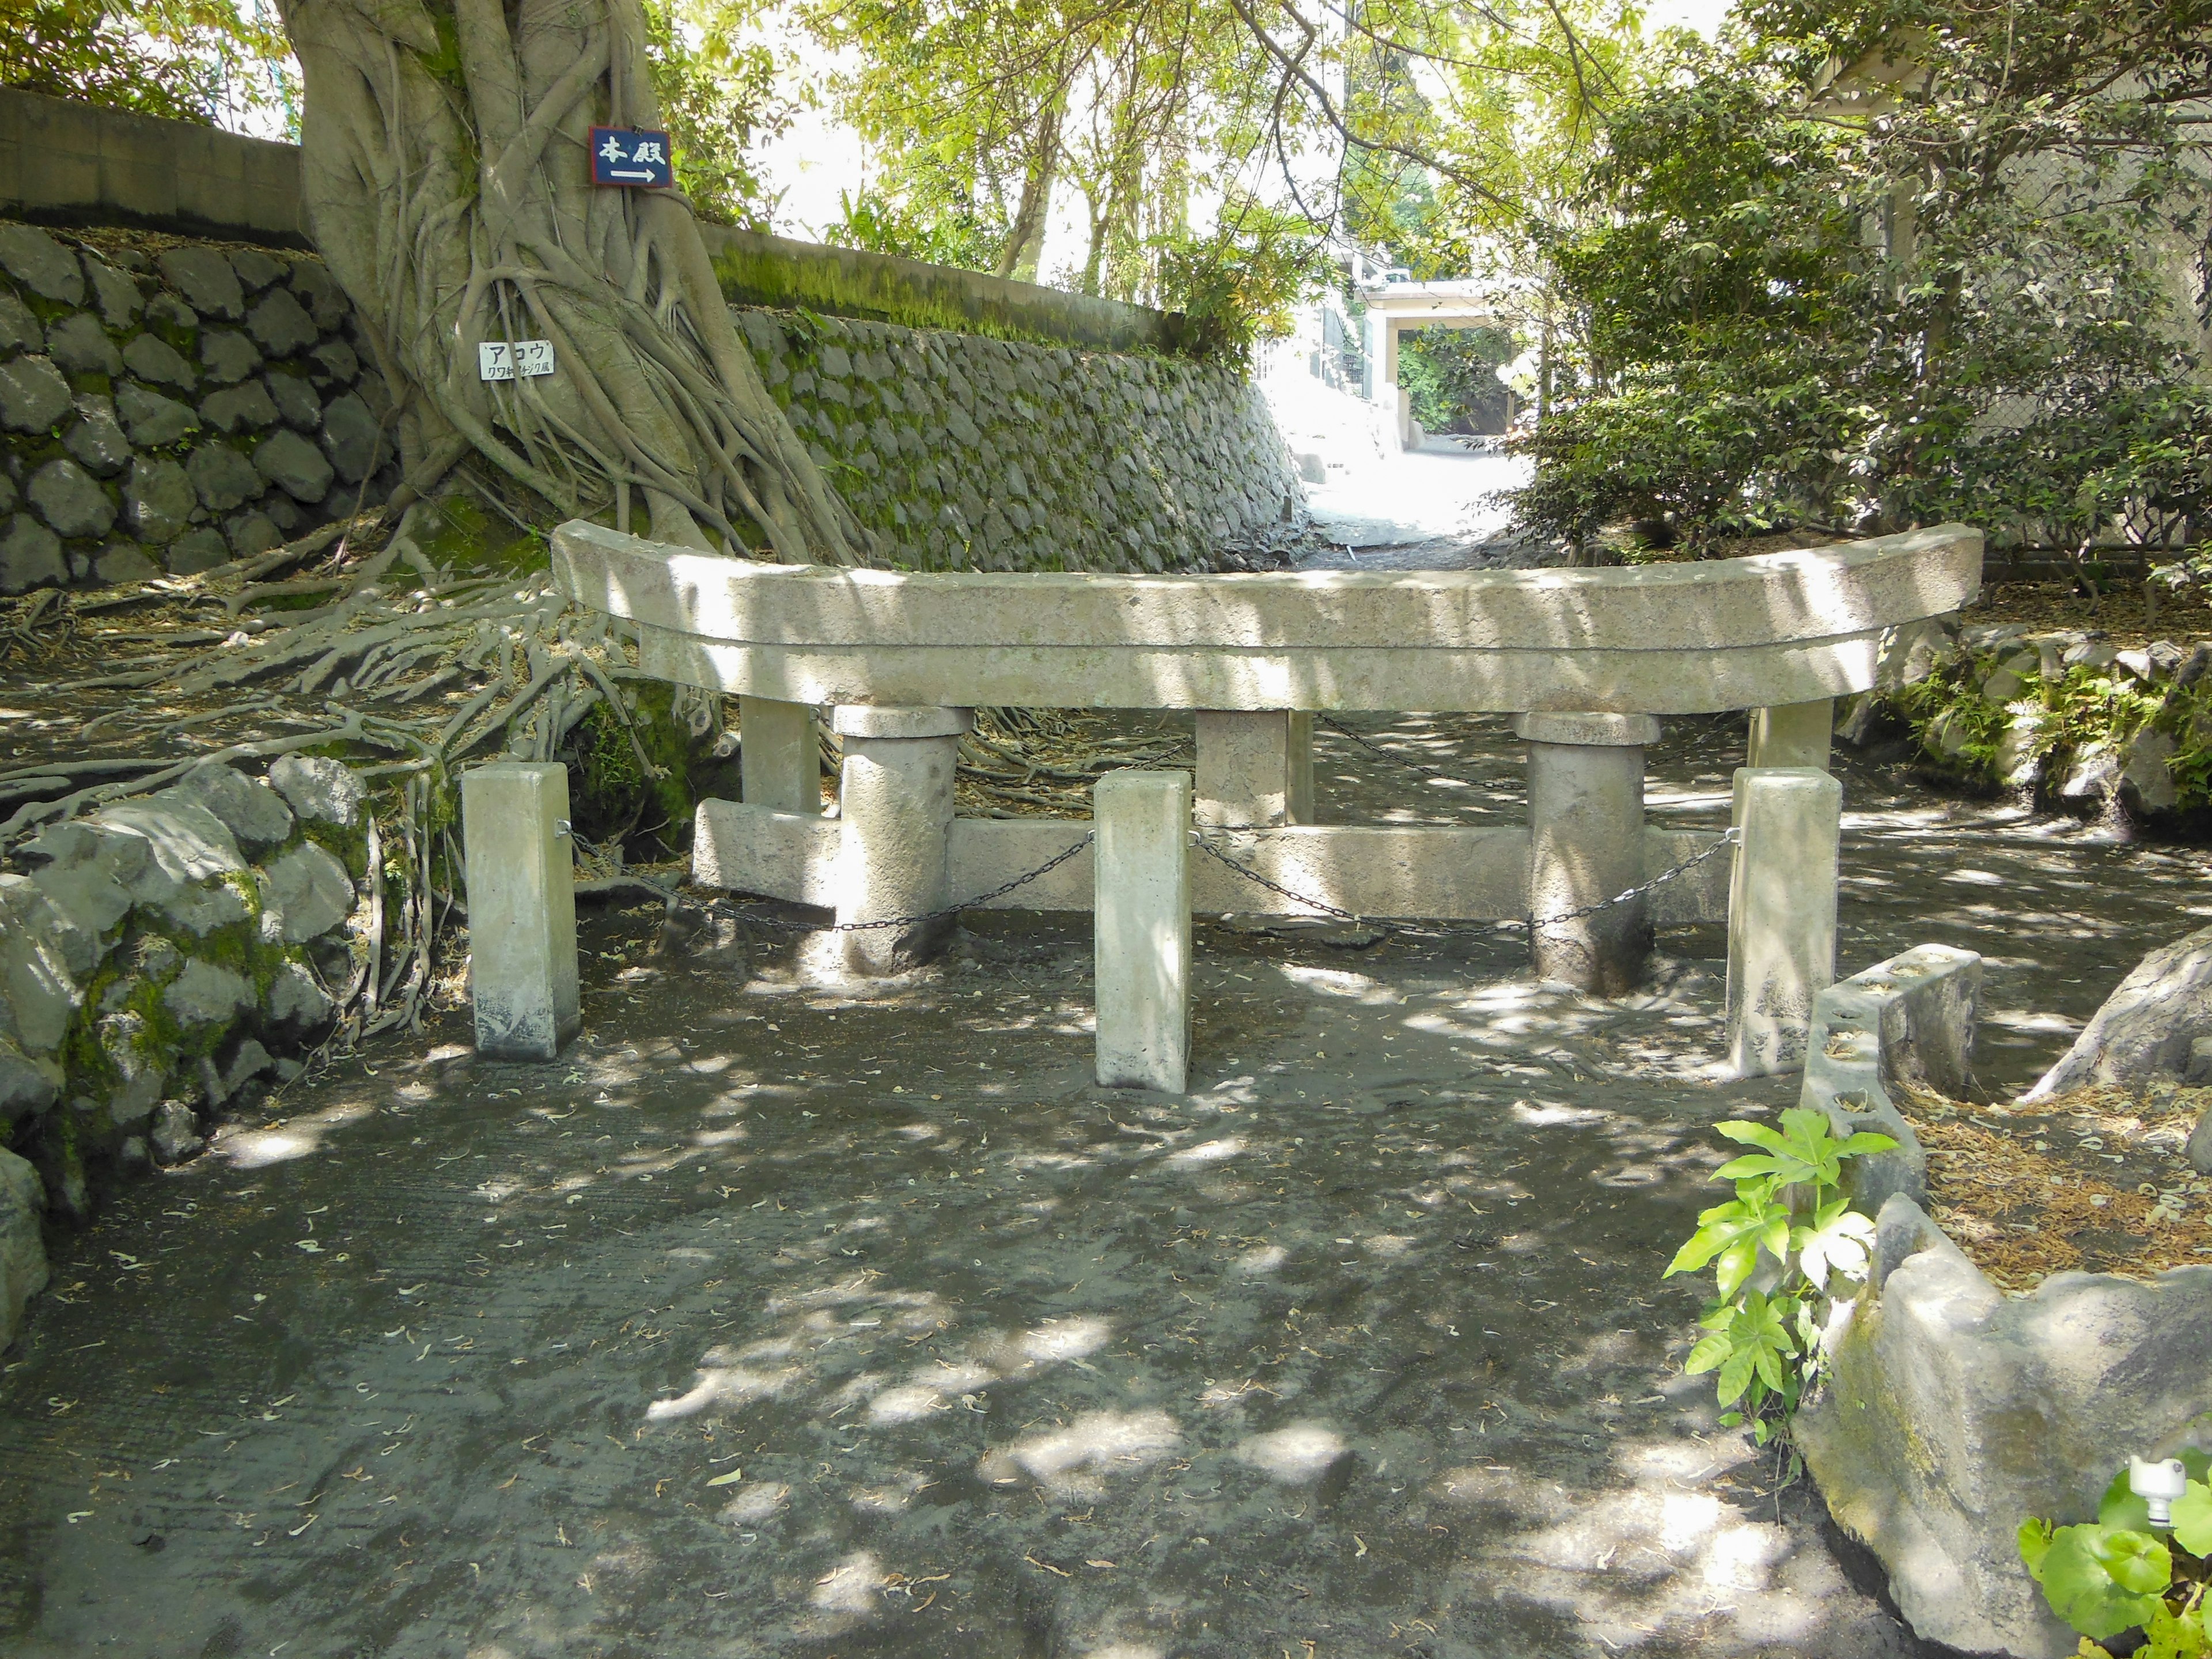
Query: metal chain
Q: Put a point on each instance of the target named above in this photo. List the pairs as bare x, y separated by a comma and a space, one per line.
1421, 766
1728, 839
752, 919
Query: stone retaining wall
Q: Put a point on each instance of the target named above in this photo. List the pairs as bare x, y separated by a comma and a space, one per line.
169, 406
163, 954
970, 453
2066, 716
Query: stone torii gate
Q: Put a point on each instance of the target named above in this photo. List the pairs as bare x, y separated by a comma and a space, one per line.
1586, 660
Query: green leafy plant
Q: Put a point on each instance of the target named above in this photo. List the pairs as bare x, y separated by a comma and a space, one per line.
1790, 1225
2117, 1574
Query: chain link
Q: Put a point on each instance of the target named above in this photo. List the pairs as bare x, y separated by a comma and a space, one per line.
1376, 749
754, 918
1728, 839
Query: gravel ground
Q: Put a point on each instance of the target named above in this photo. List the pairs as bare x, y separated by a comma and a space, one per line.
788, 1317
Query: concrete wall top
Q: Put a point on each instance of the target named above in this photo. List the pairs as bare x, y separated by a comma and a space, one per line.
64, 163
67, 163
757, 270
1666, 639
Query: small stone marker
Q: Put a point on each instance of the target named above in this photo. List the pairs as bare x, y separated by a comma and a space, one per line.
522, 909
1142, 929
1782, 914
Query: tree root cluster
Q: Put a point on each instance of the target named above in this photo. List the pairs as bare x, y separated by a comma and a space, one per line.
350, 642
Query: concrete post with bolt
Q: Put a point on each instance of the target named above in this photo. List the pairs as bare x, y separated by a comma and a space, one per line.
522, 909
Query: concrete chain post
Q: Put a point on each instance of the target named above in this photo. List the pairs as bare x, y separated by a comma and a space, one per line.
1142, 929
522, 909
1782, 914
779, 757
895, 807
1585, 846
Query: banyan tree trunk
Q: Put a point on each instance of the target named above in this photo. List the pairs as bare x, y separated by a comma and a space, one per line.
448, 188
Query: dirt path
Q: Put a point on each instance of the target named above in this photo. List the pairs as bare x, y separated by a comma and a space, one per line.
780, 1320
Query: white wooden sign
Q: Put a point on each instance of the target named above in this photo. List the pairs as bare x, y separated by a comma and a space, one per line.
497, 360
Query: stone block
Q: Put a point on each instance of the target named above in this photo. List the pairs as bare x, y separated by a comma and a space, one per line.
152, 358
199, 910
115, 292
245, 407
1909, 1019
335, 363
158, 499
311, 889
295, 399
33, 396
293, 465
70, 500
79, 346
30, 555
295, 1003
282, 324
96, 440
42, 994
2147, 1027
28, 1083
22, 1242
176, 1133
1953, 1411
318, 788
251, 533
124, 561
40, 264
1782, 914
227, 356
254, 813
184, 843
1141, 929
207, 993
19, 329
198, 550
325, 300
522, 909
780, 756
222, 477
205, 278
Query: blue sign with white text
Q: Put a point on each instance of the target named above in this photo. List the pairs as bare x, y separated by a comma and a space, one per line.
621, 155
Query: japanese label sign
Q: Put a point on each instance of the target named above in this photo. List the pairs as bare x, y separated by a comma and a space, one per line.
622, 156
497, 360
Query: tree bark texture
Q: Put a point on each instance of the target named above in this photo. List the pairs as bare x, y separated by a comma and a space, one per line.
448, 187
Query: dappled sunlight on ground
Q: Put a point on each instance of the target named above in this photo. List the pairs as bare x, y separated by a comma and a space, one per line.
787, 1318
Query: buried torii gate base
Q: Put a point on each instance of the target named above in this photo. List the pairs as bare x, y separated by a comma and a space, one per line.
1587, 659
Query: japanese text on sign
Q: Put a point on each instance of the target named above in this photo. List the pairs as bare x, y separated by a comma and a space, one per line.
638, 159
497, 360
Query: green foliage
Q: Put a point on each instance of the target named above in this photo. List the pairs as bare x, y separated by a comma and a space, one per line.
718, 96
2117, 1574
1885, 263
1238, 286
212, 62
1452, 376
1790, 1224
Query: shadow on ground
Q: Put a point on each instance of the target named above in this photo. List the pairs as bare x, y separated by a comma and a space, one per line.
784, 1320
